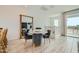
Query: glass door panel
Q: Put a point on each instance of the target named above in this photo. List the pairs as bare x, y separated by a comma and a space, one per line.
56, 24
73, 26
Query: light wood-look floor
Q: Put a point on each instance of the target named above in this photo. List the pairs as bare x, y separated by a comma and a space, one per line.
57, 45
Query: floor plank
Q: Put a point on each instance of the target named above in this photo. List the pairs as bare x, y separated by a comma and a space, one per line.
57, 45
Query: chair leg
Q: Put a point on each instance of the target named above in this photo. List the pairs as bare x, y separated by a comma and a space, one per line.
49, 40
33, 46
25, 43
44, 40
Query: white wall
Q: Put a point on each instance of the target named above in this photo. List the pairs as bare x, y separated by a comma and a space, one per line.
9, 17
40, 19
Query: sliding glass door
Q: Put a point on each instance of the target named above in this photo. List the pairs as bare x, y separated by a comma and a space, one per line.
73, 26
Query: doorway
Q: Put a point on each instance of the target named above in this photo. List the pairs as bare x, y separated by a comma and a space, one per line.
56, 26
54, 23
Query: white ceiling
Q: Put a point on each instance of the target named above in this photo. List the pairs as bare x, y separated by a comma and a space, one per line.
49, 9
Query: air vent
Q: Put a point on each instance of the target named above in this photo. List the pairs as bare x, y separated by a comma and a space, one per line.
46, 8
